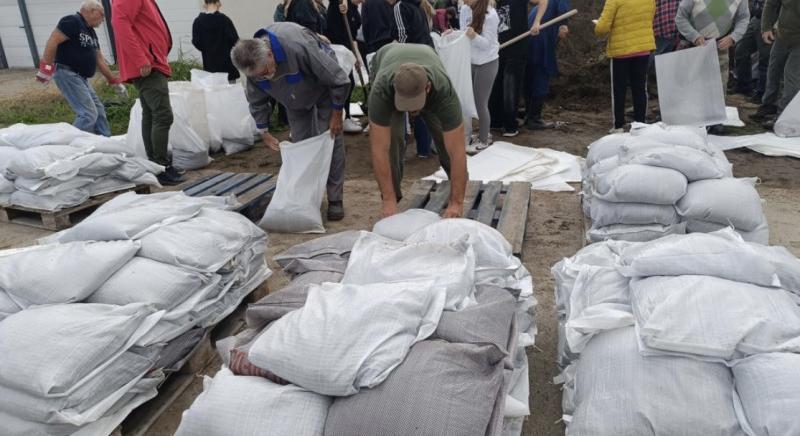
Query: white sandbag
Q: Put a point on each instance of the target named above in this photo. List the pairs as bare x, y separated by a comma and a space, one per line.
229, 114
662, 395
34, 162
22, 136
7, 305
404, 224
7, 154
692, 163
454, 51
376, 259
344, 57
143, 280
759, 235
198, 112
661, 133
727, 201
132, 216
713, 317
494, 259
250, 406
605, 147
294, 207
206, 242
189, 151
566, 271
788, 123
768, 386
640, 184
51, 187
721, 254
65, 199
787, 265
634, 232
73, 343
206, 79
604, 213
47, 274
690, 86
101, 144
133, 138
233, 147
349, 337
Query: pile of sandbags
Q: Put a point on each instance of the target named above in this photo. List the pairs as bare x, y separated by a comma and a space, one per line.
660, 180
691, 334
82, 350
440, 313
54, 166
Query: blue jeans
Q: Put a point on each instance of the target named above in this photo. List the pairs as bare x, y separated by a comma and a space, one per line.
90, 114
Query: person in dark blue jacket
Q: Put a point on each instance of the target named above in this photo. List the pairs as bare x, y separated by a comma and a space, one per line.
542, 64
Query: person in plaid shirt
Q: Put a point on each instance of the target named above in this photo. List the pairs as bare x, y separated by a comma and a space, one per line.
664, 27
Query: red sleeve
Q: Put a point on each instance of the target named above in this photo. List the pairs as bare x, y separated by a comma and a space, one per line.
129, 48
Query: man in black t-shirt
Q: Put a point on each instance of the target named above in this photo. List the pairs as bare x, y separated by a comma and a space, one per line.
71, 57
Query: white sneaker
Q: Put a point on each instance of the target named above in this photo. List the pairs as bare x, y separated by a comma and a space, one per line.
366, 129
350, 126
472, 148
481, 146
620, 130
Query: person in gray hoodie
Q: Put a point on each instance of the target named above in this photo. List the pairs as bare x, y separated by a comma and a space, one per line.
292, 65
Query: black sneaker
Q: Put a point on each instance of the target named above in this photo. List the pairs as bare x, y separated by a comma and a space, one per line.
539, 125
335, 211
170, 177
764, 112
769, 125
510, 133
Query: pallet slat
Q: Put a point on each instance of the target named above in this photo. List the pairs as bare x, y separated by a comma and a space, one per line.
471, 194
195, 189
489, 203
228, 185
439, 198
253, 191
515, 209
418, 196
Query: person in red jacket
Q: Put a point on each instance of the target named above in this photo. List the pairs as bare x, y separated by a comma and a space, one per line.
143, 42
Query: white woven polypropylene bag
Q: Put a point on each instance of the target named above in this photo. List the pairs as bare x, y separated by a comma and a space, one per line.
605, 213
768, 386
404, 224
726, 201
640, 184
248, 406
349, 337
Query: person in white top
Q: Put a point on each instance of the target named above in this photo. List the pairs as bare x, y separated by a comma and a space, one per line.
479, 20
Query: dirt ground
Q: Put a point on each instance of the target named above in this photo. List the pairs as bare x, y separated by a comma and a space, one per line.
554, 230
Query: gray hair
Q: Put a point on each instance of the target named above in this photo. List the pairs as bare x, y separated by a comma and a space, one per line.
251, 55
91, 5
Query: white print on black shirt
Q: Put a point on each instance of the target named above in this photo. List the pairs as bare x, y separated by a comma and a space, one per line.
87, 41
504, 13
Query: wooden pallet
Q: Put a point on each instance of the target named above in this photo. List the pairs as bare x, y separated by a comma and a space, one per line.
254, 191
141, 421
504, 207
60, 219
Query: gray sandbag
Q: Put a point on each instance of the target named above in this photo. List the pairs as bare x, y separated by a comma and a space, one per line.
759, 235
439, 389
769, 390
664, 395
640, 184
290, 297
605, 147
634, 232
487, 322
727, 201
605, 213
328, 253
692, 163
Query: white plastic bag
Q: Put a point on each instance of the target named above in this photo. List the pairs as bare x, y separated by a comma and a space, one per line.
404, 224
690, 86
301, 186
455, 52
189, 151
345, 57
133, 138
23, 136
788, 124
229, 114
204, 79
349, 337
199, 113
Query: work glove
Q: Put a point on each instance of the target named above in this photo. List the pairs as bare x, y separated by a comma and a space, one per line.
46, 72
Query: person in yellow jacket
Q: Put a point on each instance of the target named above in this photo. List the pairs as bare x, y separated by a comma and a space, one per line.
629, 26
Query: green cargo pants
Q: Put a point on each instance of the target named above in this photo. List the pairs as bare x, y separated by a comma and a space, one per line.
156, 115
397, 151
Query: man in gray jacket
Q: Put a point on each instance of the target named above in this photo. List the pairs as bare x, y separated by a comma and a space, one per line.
292, 65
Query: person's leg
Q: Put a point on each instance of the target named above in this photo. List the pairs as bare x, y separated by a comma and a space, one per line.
397, 151
496, 97
637, 77
744, 49
764, 50
438, 141
619, 87
512, 83
791, 77
154, 94
483, 78
147, 118
101, 127
335, 185
769, 102
421, 136
724, 70
77, 91
349, 97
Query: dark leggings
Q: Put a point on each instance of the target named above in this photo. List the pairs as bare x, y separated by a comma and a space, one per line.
629, 72
349, 96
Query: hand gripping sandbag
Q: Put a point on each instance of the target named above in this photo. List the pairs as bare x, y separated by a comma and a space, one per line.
301, 185
727, 201
455, 53
788, 124
690, 87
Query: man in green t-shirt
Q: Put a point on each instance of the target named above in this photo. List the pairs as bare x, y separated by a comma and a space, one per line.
411, 78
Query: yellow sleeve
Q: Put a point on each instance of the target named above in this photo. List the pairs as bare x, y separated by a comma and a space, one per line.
603, 26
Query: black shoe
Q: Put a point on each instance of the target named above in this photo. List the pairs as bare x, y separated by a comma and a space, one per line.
716, 129
538, 125
510, 133
335, 211
769, 124
170, 177
764, 112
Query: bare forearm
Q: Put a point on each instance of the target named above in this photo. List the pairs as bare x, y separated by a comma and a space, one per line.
540, 12
456, 149
56, 38
380, 139
103, 67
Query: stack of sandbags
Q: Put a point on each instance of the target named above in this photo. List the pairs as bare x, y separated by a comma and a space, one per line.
154, 271
56, 166
368, 322
661, 180
670, 327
